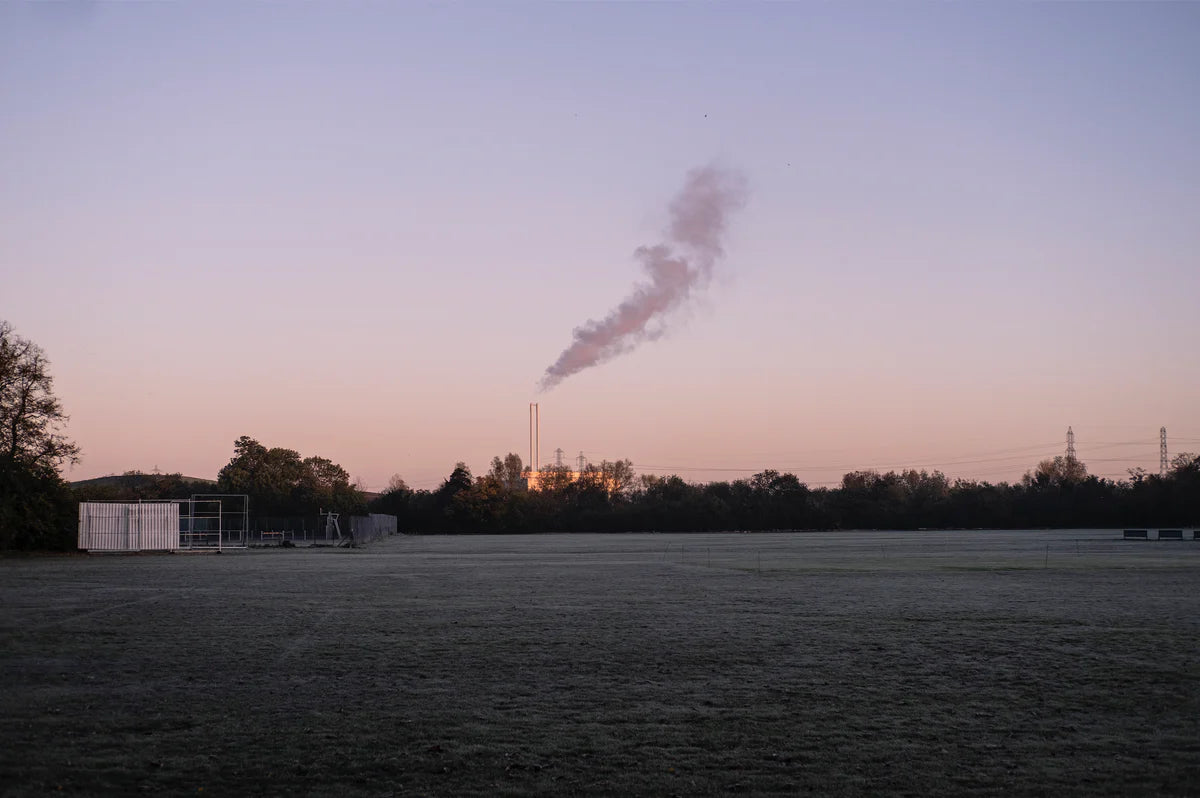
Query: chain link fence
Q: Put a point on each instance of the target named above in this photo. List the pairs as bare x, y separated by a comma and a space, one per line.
315, 530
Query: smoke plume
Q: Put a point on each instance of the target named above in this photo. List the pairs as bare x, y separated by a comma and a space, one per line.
674, 268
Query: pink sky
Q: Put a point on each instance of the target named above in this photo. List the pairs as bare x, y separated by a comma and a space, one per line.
365, 231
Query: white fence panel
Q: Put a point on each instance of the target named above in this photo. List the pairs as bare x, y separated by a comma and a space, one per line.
128, 526
158, 526
103, 526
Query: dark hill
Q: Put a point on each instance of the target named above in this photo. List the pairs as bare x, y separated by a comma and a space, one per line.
133, 479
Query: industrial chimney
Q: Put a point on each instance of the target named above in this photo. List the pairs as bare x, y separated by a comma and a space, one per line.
535, 444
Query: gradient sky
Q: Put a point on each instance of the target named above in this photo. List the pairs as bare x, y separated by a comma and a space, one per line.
364, 230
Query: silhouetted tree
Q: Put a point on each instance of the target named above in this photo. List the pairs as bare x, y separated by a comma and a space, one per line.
394, 501
459, 480
509, 472
280, 482
35, 504
1185, 464
1056, 472
608, 497
480, 507
31, 417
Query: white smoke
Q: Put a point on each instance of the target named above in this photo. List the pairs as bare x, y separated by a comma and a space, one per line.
674, 268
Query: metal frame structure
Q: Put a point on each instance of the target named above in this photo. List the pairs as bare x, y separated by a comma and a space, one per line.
332, 525
204, 526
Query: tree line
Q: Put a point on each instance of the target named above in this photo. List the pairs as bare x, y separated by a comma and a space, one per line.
1058, 492
39, 510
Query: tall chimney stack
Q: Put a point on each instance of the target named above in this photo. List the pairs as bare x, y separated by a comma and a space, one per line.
535, 434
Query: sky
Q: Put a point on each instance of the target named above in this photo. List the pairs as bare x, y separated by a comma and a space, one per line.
364, 230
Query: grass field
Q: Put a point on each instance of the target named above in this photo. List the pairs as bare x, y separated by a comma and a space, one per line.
848, 663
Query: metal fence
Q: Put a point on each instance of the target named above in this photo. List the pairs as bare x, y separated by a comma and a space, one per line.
214, 521
315, 530
369, 528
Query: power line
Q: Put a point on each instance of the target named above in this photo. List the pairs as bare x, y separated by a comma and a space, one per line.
1012, 453
1148, 455
853, 466
1093, 445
